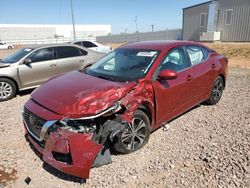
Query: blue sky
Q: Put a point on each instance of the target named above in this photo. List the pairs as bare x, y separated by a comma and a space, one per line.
164, 14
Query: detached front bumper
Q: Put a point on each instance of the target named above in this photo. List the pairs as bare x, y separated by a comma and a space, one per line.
70, 152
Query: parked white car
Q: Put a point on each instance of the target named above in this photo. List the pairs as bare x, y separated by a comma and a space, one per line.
93, 45
5, 46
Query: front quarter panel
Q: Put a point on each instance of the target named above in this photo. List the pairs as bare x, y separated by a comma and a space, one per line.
141, 95
12, 73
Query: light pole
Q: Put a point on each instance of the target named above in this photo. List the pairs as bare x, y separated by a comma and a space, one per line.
136, 24
152, 26
73, 20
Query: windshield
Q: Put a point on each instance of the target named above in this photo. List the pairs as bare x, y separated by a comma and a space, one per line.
16, 56
124, 65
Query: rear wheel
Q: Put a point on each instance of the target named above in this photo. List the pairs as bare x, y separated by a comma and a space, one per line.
7, 89
9, 47
217, 91
135, 135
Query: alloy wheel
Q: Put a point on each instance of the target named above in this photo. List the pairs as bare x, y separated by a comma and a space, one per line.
5, 90
134, 135
217, 90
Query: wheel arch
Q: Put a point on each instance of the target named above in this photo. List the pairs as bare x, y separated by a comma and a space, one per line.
224, 80
13, 80
145, 107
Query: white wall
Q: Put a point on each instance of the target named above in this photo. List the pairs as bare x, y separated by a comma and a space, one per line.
19, 33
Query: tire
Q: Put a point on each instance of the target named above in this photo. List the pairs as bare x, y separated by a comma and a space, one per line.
9, 47
131, 138
7, 89
216, 91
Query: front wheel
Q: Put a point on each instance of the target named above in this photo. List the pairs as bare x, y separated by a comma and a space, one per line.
217, 91
7, 89
135, 135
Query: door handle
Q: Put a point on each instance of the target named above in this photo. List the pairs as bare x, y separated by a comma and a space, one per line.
52, 65
189, 78
213, 66
81, 61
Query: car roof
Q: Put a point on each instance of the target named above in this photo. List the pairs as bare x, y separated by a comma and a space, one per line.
50, 45
88, 40
35, 46
157, 44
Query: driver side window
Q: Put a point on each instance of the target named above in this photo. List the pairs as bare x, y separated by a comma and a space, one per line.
44, 54
175, 60
110, 65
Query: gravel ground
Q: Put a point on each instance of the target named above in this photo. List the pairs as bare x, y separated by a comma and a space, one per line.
208, 146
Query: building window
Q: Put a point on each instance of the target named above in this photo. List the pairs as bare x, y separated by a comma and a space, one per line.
228, 16
203, 19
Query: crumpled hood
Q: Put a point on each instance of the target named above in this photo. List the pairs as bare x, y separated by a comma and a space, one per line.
4, 65
76, 94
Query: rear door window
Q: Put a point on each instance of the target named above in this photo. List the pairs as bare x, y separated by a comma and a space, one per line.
44, 54
196, 54
206, 52
88, 44
67, 51
83, 52
78, 43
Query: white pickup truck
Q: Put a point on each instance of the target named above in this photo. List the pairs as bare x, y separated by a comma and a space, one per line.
5, 46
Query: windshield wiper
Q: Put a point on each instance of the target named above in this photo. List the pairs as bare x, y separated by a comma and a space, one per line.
97, 75
2, 61
105, 78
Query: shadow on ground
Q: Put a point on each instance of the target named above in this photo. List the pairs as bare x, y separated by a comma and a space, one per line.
62, 175
25, 92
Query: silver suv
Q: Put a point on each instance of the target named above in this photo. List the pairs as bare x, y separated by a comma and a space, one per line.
29, 67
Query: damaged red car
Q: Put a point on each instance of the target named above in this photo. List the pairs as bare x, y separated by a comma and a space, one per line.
74, 119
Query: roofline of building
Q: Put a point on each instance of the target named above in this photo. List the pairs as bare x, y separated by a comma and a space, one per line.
54, 25
197, 5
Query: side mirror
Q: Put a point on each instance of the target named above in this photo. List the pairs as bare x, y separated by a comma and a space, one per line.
167, 75
27, 61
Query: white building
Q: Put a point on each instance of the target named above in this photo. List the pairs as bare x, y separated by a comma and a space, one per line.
30, 33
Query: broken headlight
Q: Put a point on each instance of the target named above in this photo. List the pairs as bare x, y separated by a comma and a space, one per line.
80, 126
90, 123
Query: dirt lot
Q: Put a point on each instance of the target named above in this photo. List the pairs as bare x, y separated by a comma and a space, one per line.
207, 147
238, 53
3, 53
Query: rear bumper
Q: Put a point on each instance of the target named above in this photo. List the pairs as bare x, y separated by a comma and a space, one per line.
71, 153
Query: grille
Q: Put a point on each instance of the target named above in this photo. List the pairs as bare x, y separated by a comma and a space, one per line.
33, 122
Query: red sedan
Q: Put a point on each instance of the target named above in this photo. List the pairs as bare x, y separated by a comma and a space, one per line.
74, 119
